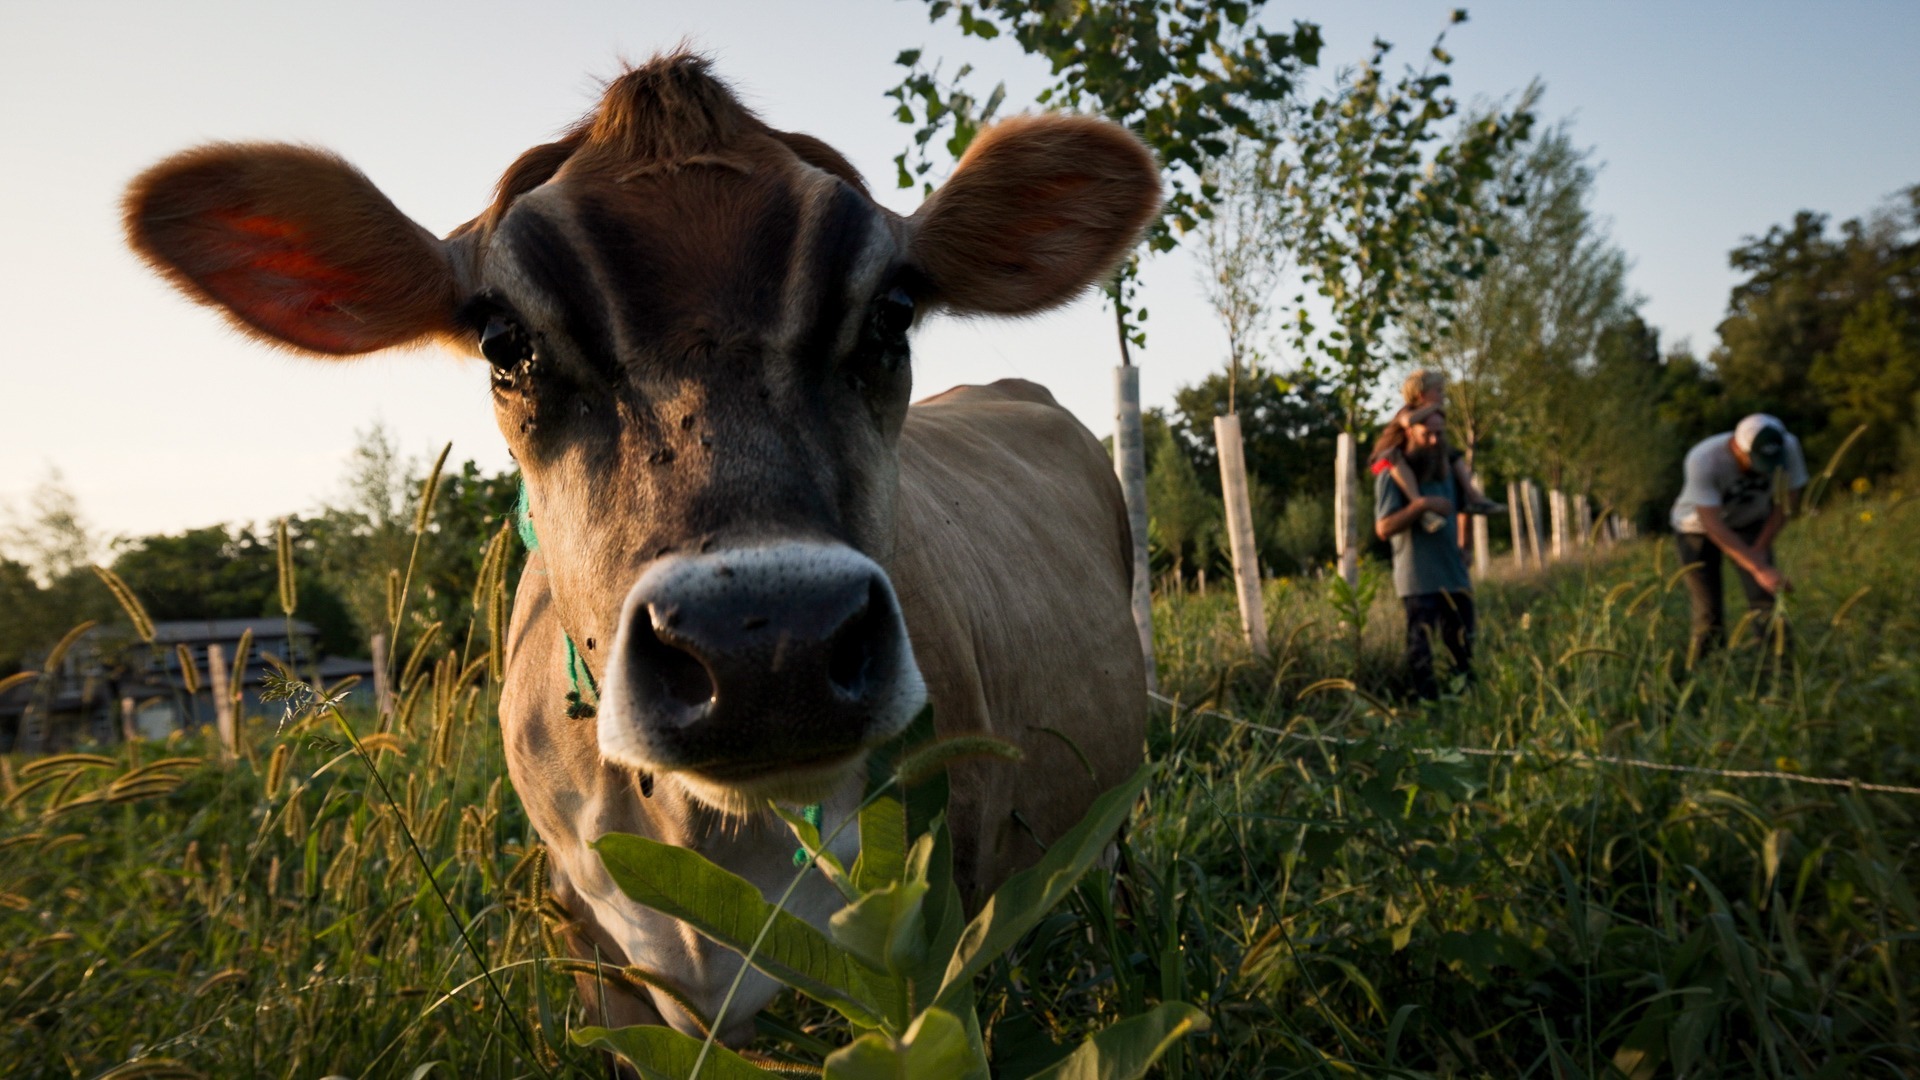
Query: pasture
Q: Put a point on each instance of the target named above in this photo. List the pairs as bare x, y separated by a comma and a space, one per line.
1490, 886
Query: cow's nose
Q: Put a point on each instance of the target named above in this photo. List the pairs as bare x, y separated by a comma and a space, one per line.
737, 663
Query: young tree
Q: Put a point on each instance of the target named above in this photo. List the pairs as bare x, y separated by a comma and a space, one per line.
1524, 337
1183, 77
1384, 229
51, 537
1242, 258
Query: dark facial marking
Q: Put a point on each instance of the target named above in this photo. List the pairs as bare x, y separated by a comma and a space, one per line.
550, 259
838, 241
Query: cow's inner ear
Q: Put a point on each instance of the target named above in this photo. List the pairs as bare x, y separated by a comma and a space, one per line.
295, 245
1038, 209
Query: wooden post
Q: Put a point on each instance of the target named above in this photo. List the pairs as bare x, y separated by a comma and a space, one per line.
1345, 541
1246, 559
1534, 513
222, 703
129, 725
1482, 561
1130, 464
1516, 519
1583, 519
382, 695
1557, 520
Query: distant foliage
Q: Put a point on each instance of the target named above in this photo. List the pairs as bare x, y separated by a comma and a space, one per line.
1824, 330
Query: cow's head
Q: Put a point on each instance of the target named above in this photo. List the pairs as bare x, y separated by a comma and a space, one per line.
697, 330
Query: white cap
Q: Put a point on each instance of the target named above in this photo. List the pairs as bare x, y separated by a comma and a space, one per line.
1752, 425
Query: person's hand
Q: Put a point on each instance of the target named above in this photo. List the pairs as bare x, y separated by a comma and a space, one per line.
1772, 580
1438, 504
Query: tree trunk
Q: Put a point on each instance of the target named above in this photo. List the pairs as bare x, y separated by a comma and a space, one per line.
1345, 541
1130, 463
1246, 558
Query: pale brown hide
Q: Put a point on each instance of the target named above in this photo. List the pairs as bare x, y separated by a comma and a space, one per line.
1012, 565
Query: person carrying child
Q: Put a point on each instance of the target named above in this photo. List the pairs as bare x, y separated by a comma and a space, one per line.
1426, 388
1429, 575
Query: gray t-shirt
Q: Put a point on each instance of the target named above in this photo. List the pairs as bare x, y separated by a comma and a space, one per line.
1423, 562
1714, 478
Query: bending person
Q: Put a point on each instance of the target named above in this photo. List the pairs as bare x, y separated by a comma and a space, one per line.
1726, 508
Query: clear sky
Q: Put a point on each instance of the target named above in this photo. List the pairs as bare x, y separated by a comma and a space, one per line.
1714, 120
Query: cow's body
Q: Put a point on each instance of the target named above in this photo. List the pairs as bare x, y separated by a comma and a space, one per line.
1013, 567
698, 334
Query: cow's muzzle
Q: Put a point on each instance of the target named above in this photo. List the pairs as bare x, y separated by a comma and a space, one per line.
763, 671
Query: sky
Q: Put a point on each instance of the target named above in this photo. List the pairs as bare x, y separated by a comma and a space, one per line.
1711, 120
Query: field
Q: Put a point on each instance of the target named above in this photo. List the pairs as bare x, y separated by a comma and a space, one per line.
1497, 885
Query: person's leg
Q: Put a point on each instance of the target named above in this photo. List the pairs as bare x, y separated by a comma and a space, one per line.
1703, 590
1422, 614
1457, 632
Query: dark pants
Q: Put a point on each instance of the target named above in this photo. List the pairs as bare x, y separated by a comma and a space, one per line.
1706, 589
1449, 615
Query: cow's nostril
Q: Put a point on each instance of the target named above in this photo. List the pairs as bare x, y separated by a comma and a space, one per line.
850, 657
680, 674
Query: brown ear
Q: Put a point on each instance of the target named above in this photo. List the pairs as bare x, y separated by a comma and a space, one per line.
1039, 208
296, 245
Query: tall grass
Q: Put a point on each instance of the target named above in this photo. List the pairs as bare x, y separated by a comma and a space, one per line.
1360, 893
1324, 870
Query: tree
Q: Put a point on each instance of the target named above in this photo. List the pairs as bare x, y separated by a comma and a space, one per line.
1290, 423
367, 538
1385, 230
1243, 253
1181, 76
1822, 329
51, 538
232, 572
1527, 336
1186, 517
1870, 376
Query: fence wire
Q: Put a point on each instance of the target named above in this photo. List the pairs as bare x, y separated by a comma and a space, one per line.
1555, 757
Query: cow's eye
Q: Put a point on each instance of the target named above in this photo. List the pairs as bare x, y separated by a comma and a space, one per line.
893, 316
505, 344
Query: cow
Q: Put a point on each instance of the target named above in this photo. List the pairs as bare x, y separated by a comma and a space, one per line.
761, 556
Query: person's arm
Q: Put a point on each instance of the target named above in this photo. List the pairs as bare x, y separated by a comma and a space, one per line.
1403, 519
1752, 559
1776, 521
1464, 477
1403, 474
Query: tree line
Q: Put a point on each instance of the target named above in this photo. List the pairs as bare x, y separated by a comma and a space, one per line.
1554, 372
348, 556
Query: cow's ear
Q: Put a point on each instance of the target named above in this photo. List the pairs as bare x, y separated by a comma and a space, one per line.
295, 245
1039, 208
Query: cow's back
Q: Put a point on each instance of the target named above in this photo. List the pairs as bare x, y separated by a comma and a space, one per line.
1013, 567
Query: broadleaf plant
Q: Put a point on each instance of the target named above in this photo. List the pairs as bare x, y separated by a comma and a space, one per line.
899, 962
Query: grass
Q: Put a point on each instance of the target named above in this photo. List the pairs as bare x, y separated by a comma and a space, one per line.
1324, 871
